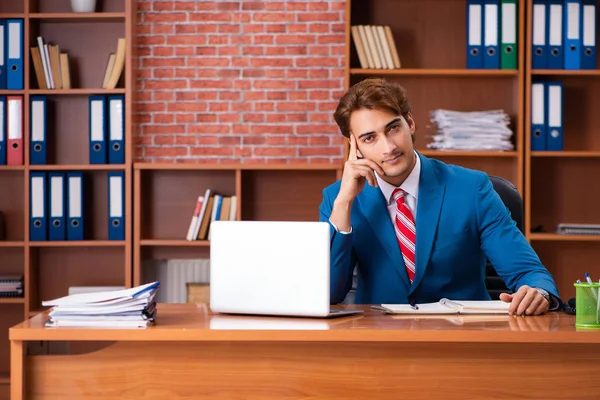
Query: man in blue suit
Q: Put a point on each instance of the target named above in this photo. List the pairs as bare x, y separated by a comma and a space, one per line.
421, 229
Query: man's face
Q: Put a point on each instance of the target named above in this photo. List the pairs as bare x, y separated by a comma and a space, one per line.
386, 139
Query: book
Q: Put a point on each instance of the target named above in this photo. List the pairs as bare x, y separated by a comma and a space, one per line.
446, 306
578, 229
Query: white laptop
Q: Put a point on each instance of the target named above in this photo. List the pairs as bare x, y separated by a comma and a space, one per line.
271, 268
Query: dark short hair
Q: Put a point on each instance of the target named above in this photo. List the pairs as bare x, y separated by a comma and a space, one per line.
371, 94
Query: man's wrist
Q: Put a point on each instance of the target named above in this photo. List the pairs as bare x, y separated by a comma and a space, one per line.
544, 293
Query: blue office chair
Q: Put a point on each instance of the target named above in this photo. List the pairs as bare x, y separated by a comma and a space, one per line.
514, 203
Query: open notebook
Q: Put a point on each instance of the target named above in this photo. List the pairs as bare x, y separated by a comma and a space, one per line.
445, 306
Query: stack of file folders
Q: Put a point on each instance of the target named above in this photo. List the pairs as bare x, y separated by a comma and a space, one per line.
471, 130
128, 308
11, 286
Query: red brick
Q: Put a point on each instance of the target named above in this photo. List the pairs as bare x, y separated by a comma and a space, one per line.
186, 107
253, 140
276, 118
264, 106
229, 6
253, 117
185, 51
243, 152
253, 50
206, 51
275, 51
319, 50
277, 96
274, 17
275, 28
229, 73
331, 39
297, 74
185, 29
297, 6
164, 85
218, 107
207, 95
275, 151
297, 141
163, 140
163, 118
318, 6
185, 96
163, 73
319, 151
185, 118
314, 128
218, 40
280, 129
206, 28
230, 140
163, 29
319, 95
229, 118
253, 5
319, 28
276, 141
184, 139
322, 16
211, 151
164, 129
296, 117
253, 28
184, 5
166, 151
297, 28
229, 51
253, 73
207, 73
157, 18
319, 140
296, 51
264, 39
274, 84
241, 107
276, 6
207, 140
229, 96
210, 17
255, 95
206, 6
319, 84
210, 84
316, 62
295, 96
185, 73
202, 128
318, 74
206, 118
296, 39
295, 106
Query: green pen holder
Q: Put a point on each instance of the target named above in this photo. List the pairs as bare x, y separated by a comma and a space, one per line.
587, 305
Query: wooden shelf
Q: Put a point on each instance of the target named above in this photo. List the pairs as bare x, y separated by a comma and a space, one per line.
79, 17
4, 378
79, 167
566, 238
174, 243
6, 92
12, 300
455, 153
12, 15
237, 166
12, 168
566, 72
11, 243
565, 154
79, 243
436, 72
76, 92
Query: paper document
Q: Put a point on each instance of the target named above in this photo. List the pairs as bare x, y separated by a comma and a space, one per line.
445, 306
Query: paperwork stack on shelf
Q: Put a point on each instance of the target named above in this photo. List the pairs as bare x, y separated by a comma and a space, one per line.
471, 131
128, 308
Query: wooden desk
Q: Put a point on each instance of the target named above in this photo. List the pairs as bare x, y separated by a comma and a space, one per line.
192, 353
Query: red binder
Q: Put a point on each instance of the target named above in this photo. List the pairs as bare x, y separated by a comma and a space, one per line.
14, 130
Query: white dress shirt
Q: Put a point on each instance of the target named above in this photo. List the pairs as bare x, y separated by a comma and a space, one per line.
410, 187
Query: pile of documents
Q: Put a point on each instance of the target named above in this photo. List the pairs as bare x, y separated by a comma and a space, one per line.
128, 308
471, 130
11, 286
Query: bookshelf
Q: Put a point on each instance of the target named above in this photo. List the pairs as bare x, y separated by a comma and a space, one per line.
561, 184
430, 37
50, 267
165, 196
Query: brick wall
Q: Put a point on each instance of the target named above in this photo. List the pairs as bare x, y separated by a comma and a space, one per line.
239, 81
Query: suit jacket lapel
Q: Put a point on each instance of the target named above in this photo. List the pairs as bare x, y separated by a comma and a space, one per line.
374, 208
431, 193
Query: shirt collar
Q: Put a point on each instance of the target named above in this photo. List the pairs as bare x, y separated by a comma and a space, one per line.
410, 184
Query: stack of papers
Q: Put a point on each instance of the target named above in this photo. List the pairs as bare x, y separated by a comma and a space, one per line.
474, 130
128, 308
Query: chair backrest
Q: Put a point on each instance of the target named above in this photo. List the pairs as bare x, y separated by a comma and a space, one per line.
514, 203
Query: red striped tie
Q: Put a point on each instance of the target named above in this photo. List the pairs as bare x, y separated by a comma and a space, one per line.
406, 233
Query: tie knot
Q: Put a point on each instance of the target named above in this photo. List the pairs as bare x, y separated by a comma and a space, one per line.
398, 195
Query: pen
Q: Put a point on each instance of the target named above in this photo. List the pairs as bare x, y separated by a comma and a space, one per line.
414, 305
588, 279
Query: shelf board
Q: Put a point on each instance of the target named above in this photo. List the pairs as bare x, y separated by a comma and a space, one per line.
12, 15
565, 154
75, 92
4, 378
6, 92
12, 300
79, 243
435, 72
232, 167
11, 243
79, 17
78, 167
458, 153
12, 167
174, 243
566, 238
568, 72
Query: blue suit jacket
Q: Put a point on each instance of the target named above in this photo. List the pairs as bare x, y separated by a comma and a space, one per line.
461, 220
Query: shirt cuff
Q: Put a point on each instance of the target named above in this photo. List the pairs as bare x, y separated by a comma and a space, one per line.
337, 230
